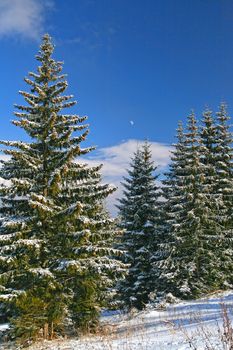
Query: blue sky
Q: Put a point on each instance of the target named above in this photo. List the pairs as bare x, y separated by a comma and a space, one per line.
136, 67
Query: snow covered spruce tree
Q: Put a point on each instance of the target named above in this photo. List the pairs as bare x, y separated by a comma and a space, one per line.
224, 193
216, 141
172, 192
189, 267
139, 215
56, 253
209, 140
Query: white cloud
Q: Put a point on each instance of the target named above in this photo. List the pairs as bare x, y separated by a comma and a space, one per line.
116, 158
23, 17
116, 161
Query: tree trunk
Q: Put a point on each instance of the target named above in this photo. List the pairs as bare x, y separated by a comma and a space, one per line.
51, 331
46, 330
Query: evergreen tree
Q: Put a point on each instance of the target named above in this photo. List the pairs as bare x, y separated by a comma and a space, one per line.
216, 142
55, 237
209, 159
172, 192
139, 219
189, 267
224, 192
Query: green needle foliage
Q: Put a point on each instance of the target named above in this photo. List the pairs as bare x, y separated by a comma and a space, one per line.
196, 250
139, 215
224, 193
55, 236
190, 267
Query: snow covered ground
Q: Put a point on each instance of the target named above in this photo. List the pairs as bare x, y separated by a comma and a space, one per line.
188, 325
3, 327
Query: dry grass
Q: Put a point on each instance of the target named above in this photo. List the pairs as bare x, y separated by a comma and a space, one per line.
187, 330
218, 338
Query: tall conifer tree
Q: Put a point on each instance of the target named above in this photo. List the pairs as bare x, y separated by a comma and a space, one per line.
189, 268
171, 213
209, 159
56, 253
216, 142
224, 192
139, 216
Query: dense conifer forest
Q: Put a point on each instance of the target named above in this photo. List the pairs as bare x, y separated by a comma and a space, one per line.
63, 258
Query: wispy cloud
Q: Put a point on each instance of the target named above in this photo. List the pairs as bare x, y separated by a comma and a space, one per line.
23, 17
116, 161
92, 36
116, 158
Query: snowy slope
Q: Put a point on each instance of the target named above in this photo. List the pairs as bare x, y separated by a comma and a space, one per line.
190, 325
